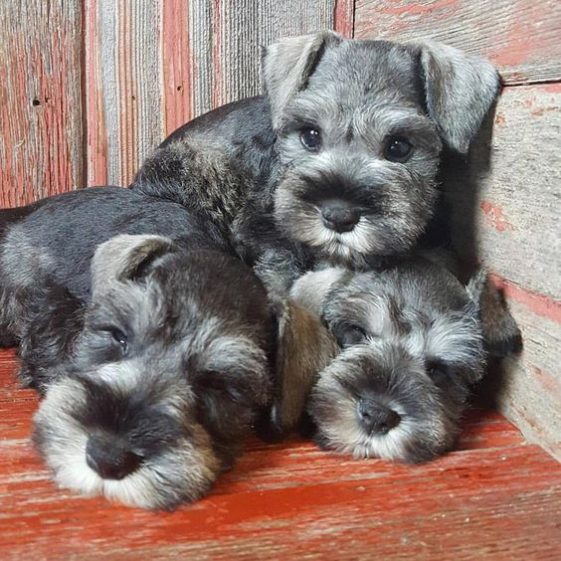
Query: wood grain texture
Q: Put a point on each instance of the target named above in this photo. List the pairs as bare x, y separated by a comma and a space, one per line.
506, 209
494, 498
514, 191
530, 392
152, 66
41, 133
520, 37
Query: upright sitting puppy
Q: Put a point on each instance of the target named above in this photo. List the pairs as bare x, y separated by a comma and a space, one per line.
411, 345
156, 352
339, 158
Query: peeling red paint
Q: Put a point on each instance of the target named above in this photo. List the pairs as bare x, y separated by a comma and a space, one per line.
494, 217
554, 87
539, 304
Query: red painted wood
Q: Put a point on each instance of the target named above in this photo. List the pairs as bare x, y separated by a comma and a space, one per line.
344, 17
177, 58
494, 498
538, 303
519, 36
41, 132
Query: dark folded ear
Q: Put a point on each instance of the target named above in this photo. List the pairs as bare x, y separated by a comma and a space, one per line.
304, 348
460, 89
127, 257
288, 64
501, 334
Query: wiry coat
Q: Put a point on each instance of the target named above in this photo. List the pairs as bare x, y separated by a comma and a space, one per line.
155, 347
411, 345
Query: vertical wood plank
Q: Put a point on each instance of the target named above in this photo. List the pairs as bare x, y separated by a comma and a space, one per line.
344, 17
41, 133
177, 64
126, 42
96, 132
152, 66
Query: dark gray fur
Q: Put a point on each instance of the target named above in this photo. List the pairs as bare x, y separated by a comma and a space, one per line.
272, 192
411, 346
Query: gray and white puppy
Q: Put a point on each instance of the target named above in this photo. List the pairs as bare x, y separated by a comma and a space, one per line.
338, 161
162, 377
156, 352
340, 156
411, 345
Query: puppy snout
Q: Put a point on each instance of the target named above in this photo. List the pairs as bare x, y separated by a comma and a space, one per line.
111, 459
339, 215
375, 417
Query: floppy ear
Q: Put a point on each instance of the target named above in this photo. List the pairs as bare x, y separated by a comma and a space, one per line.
288, 64
304, 348
460, 89
126, 257
501, 334
311, 289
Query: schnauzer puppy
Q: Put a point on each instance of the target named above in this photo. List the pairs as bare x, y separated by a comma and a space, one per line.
155, 352
339, 158
337, 162
411, 345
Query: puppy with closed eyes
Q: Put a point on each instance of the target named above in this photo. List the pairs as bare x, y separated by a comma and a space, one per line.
156, 352
411, 345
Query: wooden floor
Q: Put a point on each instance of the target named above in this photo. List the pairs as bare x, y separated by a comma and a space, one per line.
496, 497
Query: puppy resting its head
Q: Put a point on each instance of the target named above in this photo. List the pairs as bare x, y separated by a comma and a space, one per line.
166, 371
411, 345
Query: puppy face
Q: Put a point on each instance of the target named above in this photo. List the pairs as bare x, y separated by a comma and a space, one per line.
359, 141
165, 379
410, 343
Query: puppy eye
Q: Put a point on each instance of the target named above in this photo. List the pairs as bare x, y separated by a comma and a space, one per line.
310, 139
348, 335
397, 149
438, 371
119, 337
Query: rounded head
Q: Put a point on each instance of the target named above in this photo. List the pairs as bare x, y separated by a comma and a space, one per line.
410, 346
165, 378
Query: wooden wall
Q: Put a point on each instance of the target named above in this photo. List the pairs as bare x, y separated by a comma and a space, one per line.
88, 87
512, 190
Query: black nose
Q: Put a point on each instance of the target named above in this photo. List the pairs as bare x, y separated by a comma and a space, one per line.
339, 216
111, 459
375, 417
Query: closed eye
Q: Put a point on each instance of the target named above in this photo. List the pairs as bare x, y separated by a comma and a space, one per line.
349, 334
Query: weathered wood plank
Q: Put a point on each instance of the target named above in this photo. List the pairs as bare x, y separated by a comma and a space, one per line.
513, 193
506, 208
41, 132
344, 17
520, 37
530, 388
152, 66
495, 498
123, 85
